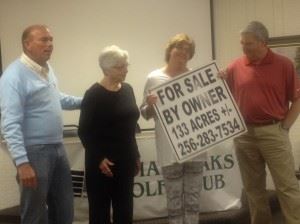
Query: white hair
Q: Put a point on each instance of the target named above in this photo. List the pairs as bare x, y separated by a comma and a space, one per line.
111, 56
258, 29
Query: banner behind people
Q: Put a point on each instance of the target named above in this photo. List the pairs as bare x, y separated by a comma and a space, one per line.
221, 181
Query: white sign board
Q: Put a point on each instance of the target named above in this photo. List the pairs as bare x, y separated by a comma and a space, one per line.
197, 111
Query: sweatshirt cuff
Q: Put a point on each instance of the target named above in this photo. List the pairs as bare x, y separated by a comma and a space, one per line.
21, 160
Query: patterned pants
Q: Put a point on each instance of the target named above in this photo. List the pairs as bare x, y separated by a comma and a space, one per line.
183, 183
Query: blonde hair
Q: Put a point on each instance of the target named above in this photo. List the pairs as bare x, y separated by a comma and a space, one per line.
177, 40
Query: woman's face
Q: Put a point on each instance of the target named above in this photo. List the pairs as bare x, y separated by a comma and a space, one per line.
180, 53
118, 72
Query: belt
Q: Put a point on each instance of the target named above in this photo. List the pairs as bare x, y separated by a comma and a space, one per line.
264, 123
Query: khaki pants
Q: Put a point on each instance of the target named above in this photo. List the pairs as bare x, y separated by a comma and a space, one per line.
269, 145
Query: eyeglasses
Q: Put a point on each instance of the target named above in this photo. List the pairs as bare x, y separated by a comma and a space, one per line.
183, 47
122, 66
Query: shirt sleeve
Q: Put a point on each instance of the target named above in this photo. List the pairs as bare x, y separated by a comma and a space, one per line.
86, 126
136, 149
293, 82
67, 102
12, 101
144, 105
230, 77
70, 102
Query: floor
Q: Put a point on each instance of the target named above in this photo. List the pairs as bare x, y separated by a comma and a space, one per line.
240, 216
277, 219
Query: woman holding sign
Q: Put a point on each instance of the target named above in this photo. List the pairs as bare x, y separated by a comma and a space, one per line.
183, 181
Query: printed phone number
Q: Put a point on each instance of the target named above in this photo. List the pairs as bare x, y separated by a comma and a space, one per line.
209, 137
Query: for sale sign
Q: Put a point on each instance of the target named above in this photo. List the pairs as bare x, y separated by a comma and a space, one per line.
197, 111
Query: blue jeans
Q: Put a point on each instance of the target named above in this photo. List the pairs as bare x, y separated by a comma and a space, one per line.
52, 201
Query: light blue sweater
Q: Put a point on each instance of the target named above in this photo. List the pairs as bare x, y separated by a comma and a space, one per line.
31, 109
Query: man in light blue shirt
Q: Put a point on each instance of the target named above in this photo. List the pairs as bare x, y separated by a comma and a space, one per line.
31, 122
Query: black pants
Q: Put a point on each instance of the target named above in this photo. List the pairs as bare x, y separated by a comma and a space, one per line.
116, 191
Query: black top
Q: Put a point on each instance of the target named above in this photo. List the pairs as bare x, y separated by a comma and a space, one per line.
107, 123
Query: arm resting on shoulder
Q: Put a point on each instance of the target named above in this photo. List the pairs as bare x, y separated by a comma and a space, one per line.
70, 102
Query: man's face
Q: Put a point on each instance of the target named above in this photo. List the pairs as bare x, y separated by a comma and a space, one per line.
39, 45
252, 47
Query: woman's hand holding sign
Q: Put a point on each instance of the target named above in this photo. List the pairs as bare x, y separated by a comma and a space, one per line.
151, 100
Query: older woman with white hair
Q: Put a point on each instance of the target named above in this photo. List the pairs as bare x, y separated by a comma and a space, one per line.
107, 125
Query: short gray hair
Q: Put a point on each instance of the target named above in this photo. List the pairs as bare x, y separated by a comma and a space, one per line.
258, 29
111, 55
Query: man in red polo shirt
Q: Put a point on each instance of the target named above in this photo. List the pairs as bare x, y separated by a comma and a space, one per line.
266, 89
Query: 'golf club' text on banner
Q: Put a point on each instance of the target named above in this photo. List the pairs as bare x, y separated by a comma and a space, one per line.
197, 111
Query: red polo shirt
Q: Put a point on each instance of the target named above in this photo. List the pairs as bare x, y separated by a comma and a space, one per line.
263, 91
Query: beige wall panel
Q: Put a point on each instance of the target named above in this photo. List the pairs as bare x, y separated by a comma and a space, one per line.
291, 15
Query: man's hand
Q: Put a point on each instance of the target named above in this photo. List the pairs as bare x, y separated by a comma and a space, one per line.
105, 167
223, 74
27, 176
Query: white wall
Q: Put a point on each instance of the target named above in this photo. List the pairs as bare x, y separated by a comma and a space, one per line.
82, 28
281, 17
